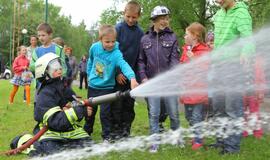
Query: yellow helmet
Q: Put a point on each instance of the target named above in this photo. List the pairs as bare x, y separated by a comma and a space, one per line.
20, 140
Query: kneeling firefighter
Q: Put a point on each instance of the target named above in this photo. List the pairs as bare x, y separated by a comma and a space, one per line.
55, 107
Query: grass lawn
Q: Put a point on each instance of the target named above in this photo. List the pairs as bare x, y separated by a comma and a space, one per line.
18, 118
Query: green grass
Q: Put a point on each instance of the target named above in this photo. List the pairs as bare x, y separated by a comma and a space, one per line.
18, 118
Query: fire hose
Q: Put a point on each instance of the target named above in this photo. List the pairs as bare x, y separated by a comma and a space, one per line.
92, 101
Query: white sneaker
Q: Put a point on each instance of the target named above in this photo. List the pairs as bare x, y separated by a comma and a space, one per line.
154, 148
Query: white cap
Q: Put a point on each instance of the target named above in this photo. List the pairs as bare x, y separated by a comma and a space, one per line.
159, 11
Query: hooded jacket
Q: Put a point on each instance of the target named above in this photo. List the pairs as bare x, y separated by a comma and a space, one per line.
158, 53
197, 82
102, 66
230, 25
19, 63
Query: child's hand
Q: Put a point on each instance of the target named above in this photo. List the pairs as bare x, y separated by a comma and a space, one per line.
67, 106
260, 97
133, 83
244, 60
89, 110
121, 79
190, 54
144, 80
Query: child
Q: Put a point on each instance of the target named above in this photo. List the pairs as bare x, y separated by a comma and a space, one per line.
82, 69
32, 47
158, 53
53, 110
194, 47
104, 58
20, 65
129, 35
210, 40
208, 108
45, 32
59, 41
252, 100
30, 50
72, 63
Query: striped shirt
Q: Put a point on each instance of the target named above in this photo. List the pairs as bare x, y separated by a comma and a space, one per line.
232, 24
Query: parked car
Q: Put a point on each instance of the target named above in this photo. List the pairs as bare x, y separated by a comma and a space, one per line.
7, 74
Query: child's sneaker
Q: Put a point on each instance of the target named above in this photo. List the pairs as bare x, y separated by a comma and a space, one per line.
258, 133
154, 148
196, 146
161, 128
244, 134
192, 141
107, 140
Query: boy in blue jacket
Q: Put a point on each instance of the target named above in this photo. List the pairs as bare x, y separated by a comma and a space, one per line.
104, 59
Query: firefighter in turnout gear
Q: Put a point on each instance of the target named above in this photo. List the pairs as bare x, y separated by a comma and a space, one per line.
55, 107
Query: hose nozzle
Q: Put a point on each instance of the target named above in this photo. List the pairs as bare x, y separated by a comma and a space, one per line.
93, 101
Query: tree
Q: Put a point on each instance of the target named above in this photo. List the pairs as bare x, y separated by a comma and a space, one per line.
260, 12
184, 12
30, 14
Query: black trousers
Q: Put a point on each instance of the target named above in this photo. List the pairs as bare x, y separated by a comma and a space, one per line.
123, 114
47, 147
105, 114
83, 77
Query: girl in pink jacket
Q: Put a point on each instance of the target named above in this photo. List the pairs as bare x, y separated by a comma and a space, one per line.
20, 65
195, 47
253, 100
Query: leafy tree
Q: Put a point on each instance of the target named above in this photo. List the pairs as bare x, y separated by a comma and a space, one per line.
5, 26
29, 14
260, 12
184, 12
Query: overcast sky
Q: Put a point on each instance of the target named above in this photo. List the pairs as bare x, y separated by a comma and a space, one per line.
87, 10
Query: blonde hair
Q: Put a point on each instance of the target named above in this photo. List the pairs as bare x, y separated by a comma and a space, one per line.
133, 6
59, 41
20, 48
106, 29
198, 30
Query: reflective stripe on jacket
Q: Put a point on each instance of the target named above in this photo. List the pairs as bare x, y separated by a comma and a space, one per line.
77, 133
48, 110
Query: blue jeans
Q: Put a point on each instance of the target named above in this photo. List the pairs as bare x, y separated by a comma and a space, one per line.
229, 103
172, 107
194, 115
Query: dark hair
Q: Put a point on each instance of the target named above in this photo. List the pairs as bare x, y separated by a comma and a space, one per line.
45, 27
33, 36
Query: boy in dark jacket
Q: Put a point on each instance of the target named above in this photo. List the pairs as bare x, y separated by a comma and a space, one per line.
129, 35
